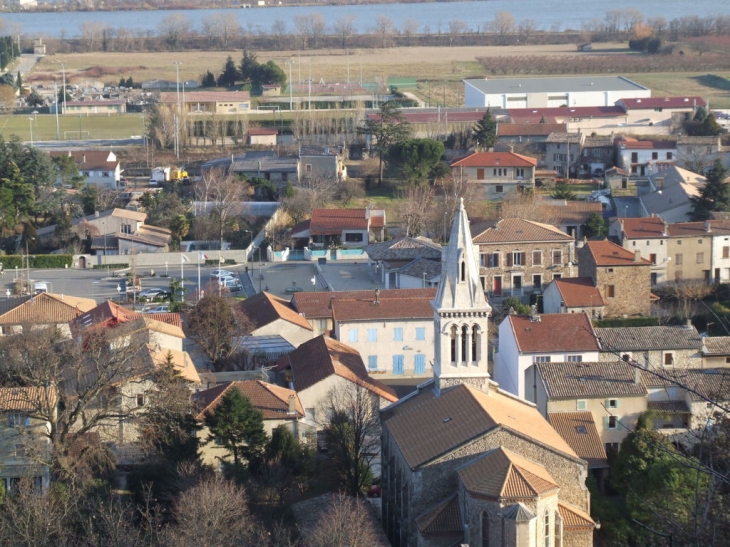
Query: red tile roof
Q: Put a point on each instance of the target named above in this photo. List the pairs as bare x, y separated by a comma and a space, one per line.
663, 102
321, 357
262, 131
443, 116
693, 229
27, 398
391, 308
578, 292
534, 115
319, 304
580, 432
264, 308
642, 228
607, 253
574, 518
271, 400
47, 308
90, 160
328, 221
491, 159
554, 332
510, 230
628, 142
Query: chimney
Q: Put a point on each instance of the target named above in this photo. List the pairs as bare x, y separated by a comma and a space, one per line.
377, 296
708, 228
637, 375
688, 325
637, 256
83, 158
665, 231
292, 405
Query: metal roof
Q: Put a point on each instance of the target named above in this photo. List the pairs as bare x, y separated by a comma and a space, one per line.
557, 84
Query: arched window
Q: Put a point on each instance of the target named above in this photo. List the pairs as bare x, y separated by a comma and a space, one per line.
475, 344
452, 332
463, 271
485, 529
464, 347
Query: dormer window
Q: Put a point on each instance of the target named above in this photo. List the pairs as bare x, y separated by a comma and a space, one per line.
463, 271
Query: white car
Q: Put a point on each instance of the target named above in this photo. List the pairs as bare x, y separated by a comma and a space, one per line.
220, 274
159, 309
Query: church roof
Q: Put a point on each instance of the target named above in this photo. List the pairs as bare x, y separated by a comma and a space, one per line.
502, 474
518, 513
574, 518
425, 426
444, 518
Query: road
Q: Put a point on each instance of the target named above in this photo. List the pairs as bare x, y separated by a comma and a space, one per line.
92, 143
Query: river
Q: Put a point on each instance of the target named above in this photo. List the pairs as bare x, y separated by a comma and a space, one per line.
431, 17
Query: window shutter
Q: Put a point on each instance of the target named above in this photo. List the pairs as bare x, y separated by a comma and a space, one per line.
617, 403
606, 403
509, 259
605, 422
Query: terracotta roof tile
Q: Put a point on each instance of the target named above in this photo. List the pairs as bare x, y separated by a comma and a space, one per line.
492, 159
574, 518
89, 160
441, 519
321, 357
264, 308
645, 145
554, 332
319, 304
580, 432
642, 228
502, 474
663, 102
271, 400
510, 230
27, 398
391, 308
328, 221
260, 131
578, 292
425, 426
47, 308
607, 253
590, 380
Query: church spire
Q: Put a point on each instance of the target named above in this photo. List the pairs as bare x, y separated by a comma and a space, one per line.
461, 313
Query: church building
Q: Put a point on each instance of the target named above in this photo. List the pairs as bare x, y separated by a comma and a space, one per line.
464, 462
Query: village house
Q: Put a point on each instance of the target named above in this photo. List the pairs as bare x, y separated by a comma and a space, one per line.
90, 107
563, 153
279, 407
261, 136
541, 338
660, 111
496, 174
388, 258
642, 157
44, 310
652, 347
715, 352
322, 162
518, 257
573, 295
209, 102
699, 153
439, 442
596, 155
346, 227
100, 168
671, 194
649, 236
528, 134
622, 277
269, 315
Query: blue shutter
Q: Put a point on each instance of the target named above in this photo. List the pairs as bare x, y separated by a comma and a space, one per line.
398, 364
372, 362
420, 364
372, 335
352, 335
398, 334
420, 333
605, 422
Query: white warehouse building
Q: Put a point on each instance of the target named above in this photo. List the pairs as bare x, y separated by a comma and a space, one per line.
551, 92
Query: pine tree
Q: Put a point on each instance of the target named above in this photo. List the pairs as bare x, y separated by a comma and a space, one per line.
238, 426
230, 74
19, 81
714, 196
485, 131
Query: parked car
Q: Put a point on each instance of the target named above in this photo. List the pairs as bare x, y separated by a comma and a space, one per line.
151, 294
222, 273
159, 309
231, 284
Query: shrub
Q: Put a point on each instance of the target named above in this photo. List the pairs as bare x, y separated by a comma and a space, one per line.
10, 262
119, 266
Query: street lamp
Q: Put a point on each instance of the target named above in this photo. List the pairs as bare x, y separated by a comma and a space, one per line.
30, 128
314, 283
27, 260
177, 115
250, 244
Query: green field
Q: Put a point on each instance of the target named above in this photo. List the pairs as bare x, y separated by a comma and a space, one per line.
70, 127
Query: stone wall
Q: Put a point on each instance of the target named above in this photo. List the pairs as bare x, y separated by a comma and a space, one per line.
631, 285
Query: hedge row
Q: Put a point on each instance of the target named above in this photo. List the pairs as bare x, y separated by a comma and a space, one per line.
112, 266
216, 262
627, 322
10, 262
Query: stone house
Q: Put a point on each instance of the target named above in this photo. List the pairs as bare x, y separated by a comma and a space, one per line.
496, 174
672, 190
690, 251
547, 338
653, 347
322, 162
563, 153
43, 310
597, 153
270, 315
699, 153
573, 295
24, 413
649, 236
278, 405
440, 442
518, 257
110, 223
612, 392
715, 352
623, 278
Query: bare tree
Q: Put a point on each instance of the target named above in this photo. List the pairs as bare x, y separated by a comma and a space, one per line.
92, 33
456, 28
410, 27
220, 29
225, 194
526, 29
351, 419
344, 27
384, 27
174, 28
313, 192
503, 25
416, 207
278, 31
658, 25
347, 521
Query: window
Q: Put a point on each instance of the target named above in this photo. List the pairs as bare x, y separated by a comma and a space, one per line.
610, 291
19, 450
542, 358
557, 257
678, 258
537, 282
575, 358
494, 260
420, 333
669, 358
537, 258
520, 172
581, 404
679, 242
652, 258
372, 362
398, 334
669, 155
485, 529
726, 252
518, 259
419, 364
612, 403
352, 335
18, 420
700, 258
372, 335
483, 260
308, 168
611, 422
655, 155
547, 529
499, 189
480, 173
140, 399
354, 237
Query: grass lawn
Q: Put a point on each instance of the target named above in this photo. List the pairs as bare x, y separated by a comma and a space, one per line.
92, 127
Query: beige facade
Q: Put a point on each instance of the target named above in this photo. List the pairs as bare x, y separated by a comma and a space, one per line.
690, 255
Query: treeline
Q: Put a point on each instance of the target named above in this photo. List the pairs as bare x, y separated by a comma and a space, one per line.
8, 51
313, 30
